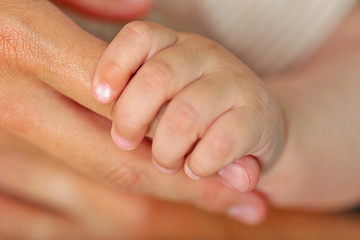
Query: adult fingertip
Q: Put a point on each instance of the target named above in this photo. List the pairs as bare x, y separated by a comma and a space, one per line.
248, 214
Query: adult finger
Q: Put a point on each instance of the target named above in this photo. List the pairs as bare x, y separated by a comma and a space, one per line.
74, 134
35, 184
20, 220
110, 9
100, 212
81, 139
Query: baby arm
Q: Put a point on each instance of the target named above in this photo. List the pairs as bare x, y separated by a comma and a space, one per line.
220, 117
319, 166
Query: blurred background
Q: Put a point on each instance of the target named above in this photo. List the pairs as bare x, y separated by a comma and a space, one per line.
46, 200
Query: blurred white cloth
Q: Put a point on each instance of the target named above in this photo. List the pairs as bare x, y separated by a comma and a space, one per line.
268, 35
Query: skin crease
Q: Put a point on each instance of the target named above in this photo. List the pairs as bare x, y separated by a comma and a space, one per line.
283, 184
214, 98
36, 51
42, 209
299, 172
58, 203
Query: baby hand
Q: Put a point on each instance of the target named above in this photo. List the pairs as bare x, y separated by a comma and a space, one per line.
220, 118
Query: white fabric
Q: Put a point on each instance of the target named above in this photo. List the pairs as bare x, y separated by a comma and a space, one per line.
268, 35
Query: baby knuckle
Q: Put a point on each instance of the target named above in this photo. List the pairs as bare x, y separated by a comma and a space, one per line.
220, 145
158, 73
205, 44
183, 120
211, 45
137, 31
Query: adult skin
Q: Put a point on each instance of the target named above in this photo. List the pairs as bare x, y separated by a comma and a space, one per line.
309, 175
57, 203
319, 105
115, 10
41, 47
50, 125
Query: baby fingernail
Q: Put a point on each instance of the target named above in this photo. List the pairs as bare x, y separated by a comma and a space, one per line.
164, 170
190, 174
236, 176
103, 92
245, 213
123, 143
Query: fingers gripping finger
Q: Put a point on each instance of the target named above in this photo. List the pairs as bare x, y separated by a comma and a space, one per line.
243, 174
249, 207
186, 119
135, 43
157, 81
50, 124
234, 135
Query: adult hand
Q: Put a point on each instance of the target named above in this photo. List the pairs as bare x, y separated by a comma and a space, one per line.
41, 47
42, 199
110, 9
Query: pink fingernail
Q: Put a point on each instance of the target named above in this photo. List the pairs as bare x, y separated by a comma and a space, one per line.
103, 92
244, 213
123, 143
164, 170
190, 173
237, 176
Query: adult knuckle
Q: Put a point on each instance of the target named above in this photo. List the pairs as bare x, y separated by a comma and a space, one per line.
9, 43
12, 119
126, 177
16, 44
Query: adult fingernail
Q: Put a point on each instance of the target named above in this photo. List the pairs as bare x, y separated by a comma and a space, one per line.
189, 173
123, 143
237, 176
164, 170
245, 213
103, 92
